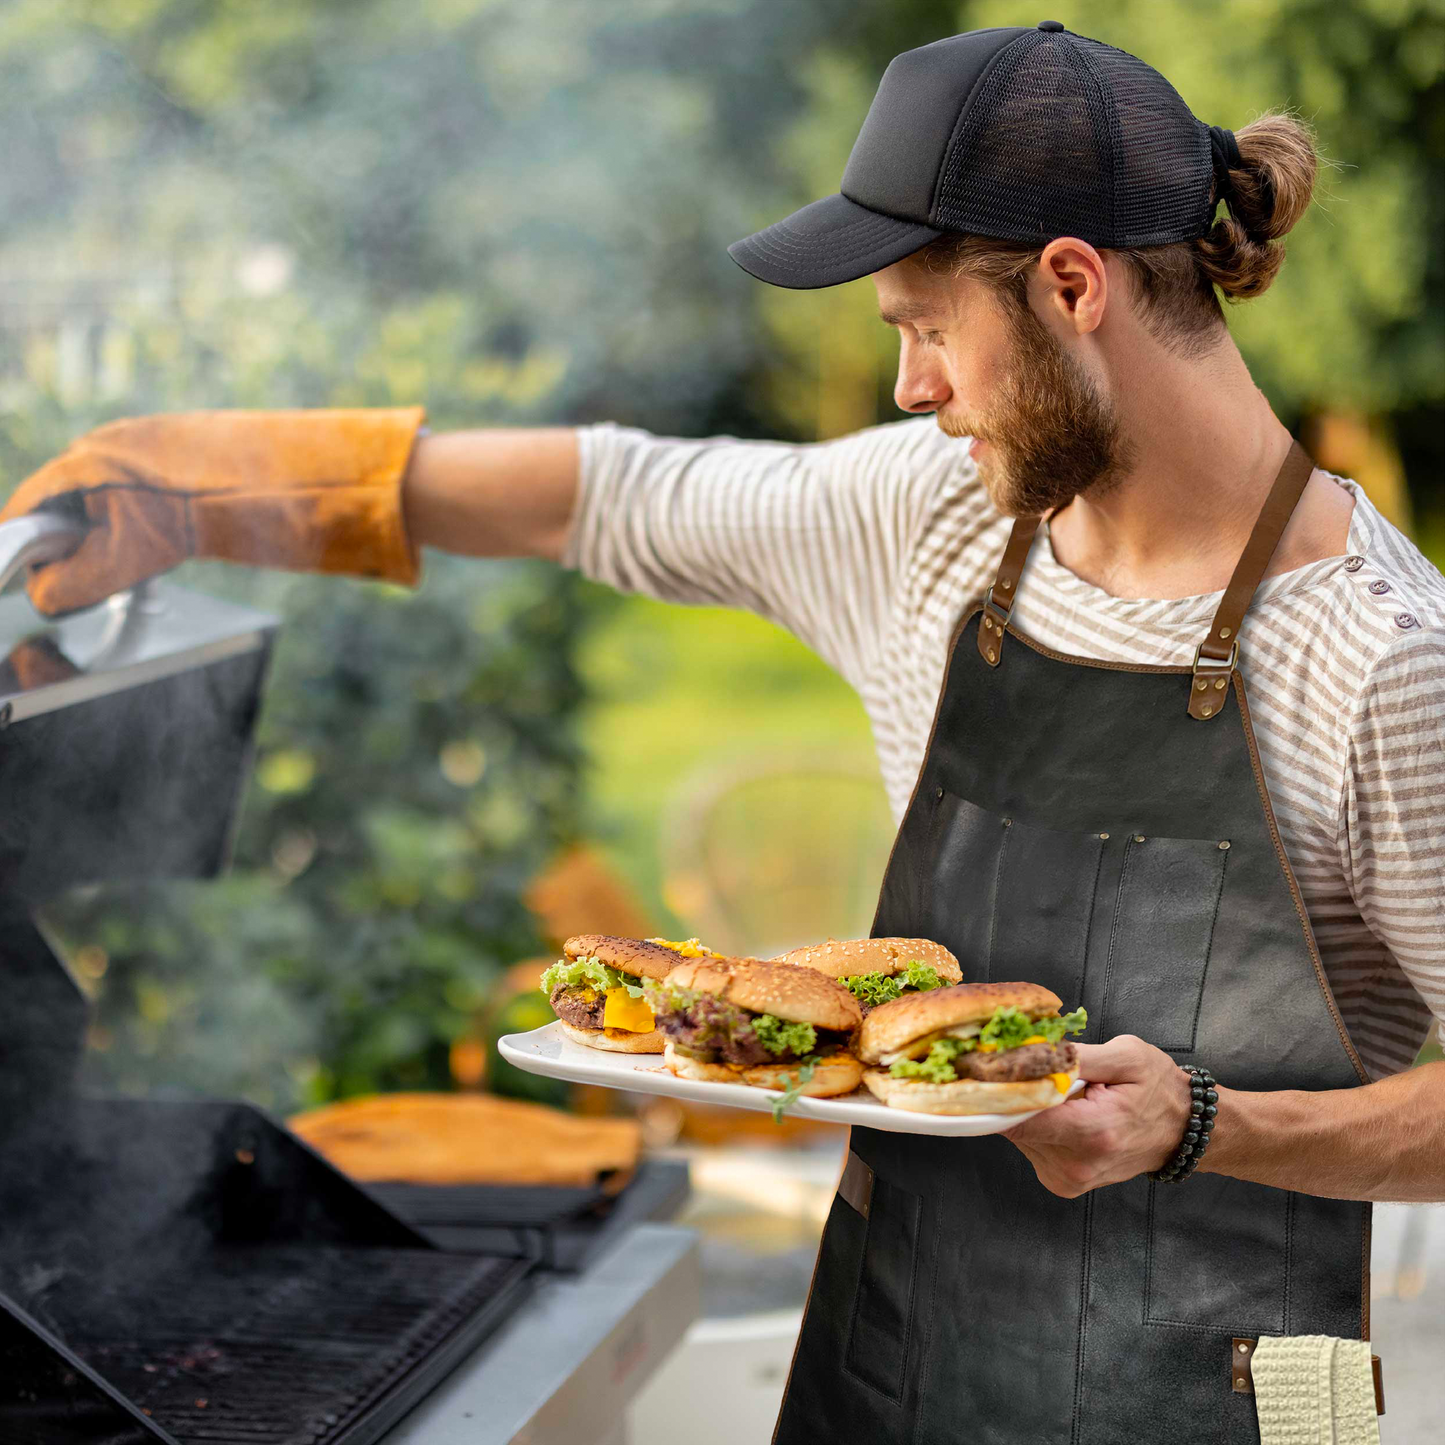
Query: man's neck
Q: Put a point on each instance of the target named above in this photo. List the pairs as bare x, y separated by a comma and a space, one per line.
1176, 523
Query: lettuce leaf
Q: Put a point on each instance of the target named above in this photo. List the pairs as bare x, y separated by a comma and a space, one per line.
779, 1036
872, 989
589, 973
937, 1068
1010, 1027
921, 976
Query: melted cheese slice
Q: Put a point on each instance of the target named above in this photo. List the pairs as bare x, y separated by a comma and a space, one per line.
1061, 1082
689, 948
625, 1012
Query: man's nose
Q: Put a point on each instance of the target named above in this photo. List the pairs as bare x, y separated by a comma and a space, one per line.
921, 384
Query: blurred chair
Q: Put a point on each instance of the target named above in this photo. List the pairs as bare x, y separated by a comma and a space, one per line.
777, 849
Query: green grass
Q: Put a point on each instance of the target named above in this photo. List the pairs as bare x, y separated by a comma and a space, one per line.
679, 688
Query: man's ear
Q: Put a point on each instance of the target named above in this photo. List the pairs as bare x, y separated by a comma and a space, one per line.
1074, 282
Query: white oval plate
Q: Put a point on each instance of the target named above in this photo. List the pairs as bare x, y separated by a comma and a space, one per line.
549, 1051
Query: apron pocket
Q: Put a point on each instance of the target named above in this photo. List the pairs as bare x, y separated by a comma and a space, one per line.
1218, 1255
1011, 900
880, 1332
1164, 914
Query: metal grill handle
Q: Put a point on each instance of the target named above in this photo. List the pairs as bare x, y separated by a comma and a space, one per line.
37, 537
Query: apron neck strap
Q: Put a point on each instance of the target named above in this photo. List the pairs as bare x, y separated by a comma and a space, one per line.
1215, 657
1000, 600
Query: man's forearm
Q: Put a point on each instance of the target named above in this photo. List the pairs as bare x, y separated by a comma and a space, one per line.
499, 492
1380, 1141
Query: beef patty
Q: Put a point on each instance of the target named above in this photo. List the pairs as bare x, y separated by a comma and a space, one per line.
723, 1033
1008, 1066
581, 1007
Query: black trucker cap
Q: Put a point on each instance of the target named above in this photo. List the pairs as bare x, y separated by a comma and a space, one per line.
1020, 133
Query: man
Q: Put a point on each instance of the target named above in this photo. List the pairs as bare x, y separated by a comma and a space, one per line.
1243, 883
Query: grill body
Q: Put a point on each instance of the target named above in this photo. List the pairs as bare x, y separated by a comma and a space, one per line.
184, 1271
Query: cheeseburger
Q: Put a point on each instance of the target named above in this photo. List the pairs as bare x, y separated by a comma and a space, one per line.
878, 970
596, 990
741, 1021
972, 1048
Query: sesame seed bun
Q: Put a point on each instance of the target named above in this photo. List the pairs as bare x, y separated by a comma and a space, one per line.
892, 1026
964, 1096
615, 1041
848, 957
839, 1073
630, 955
800, 995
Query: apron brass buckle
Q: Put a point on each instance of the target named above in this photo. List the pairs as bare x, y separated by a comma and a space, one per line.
1211, 677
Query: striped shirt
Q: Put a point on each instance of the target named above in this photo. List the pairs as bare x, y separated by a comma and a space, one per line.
869, 547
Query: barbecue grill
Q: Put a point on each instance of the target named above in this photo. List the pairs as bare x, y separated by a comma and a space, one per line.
183, 1271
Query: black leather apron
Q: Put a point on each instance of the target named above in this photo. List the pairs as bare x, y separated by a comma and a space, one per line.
1103, 829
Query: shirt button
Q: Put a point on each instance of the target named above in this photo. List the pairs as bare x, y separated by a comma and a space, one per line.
1379, 587
1405, 620
1353, 564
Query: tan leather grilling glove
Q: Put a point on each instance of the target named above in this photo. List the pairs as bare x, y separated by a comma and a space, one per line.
301, 490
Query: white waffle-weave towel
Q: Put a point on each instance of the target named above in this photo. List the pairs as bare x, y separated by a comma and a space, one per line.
1314, 1390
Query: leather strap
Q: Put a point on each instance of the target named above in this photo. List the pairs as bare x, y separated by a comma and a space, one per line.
856, 1184
1000, 600
1215, 657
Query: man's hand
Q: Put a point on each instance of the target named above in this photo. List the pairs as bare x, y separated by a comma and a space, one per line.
1130, 1119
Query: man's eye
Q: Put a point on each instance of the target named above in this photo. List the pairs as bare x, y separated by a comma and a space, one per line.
930, 338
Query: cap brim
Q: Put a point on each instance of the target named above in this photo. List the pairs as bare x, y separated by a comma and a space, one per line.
826, 243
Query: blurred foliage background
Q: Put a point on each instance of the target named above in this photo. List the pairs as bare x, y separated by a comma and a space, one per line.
518, 213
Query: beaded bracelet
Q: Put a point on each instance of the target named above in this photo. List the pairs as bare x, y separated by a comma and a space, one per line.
1203, 1106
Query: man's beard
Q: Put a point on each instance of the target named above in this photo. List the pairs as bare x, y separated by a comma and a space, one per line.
1054, 436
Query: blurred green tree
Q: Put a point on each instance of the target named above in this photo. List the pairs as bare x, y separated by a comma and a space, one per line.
518, 213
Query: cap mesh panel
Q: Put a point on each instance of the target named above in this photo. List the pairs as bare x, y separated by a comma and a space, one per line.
1067, 136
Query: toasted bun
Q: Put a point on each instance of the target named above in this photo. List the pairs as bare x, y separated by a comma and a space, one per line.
837, 1074
800, 995
615, 1041
844, 959
963, 1096
891, 1026
631, 955
686, 1068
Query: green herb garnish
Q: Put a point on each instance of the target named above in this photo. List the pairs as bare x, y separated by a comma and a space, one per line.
794, 1090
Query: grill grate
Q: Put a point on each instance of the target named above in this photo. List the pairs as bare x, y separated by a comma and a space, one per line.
293, 1345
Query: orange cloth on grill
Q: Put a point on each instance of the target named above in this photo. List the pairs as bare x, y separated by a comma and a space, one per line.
469, 1139
301, 490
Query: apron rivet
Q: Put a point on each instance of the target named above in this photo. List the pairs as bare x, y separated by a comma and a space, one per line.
1200, 685
1139, 838
1007, 584
939, 793
1103, 835
1218, 684
1225, 631
1207, 711
1243, 1348
992, 655
1225, 844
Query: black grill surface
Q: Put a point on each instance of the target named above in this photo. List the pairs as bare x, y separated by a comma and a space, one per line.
298, 1345
564, 1229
